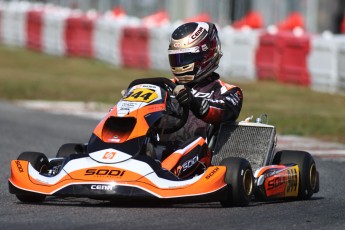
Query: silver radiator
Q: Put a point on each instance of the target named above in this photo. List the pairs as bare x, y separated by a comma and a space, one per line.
252, 141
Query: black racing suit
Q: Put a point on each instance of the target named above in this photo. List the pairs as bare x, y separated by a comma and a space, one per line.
225, 103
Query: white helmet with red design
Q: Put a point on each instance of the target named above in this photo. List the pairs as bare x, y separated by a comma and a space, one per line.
194, 51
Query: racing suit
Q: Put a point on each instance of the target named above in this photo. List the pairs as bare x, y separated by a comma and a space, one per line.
224, 103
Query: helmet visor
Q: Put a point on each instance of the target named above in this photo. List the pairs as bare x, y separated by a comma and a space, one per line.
178, 58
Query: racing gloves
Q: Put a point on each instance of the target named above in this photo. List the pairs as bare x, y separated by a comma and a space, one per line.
199, 106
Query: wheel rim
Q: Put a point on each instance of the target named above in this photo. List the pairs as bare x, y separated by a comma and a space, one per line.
312, 176
248, 182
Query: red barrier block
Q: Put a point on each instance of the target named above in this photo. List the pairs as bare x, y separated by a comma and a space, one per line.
135, 47
268, 57
343, 26
34, 27
78, 36
293, 66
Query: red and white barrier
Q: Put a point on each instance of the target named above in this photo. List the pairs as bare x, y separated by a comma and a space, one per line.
280, 54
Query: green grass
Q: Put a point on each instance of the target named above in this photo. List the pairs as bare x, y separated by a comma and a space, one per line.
30, 75
292, 109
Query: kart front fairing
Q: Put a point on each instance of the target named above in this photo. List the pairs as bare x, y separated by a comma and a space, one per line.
126, 126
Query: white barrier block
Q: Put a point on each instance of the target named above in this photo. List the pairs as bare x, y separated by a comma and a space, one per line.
107, 39
323, 64
2, 5
53, 31
239, 49
341, 66
14, 23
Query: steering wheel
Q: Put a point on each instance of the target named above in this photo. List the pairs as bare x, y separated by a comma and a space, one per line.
169, 86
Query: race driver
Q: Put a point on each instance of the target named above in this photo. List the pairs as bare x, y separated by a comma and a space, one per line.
194, 54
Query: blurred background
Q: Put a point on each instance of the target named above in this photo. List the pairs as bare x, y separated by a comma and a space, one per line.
287, 55
319, 15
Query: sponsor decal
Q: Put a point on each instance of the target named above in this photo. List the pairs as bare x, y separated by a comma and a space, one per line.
201, 94
19, 166
188, 164
284, 182
232, 99
156, 108
197, 33
177, 45
212, 173
195, 49
116, 140
101, 187
292, 184
105, 172
109, 155
275, 182
216, 101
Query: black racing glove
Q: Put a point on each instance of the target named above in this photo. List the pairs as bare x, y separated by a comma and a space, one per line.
199, 106
183, 95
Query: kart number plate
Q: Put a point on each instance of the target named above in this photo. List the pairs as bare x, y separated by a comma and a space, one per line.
141, 95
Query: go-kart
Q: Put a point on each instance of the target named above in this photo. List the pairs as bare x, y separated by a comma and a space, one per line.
118, 163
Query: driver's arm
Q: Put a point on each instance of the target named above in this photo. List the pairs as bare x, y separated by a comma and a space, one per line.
225, 103
224, 106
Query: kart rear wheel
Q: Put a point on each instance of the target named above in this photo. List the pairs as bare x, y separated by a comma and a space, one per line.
40, 162
239, 176
70, 148
309, 177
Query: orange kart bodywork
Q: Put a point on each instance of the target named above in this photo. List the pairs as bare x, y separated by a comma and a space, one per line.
110, 182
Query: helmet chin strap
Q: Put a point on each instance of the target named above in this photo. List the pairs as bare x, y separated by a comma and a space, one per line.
199, 79
184, 79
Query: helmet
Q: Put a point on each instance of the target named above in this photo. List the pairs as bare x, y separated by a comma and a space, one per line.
194, 51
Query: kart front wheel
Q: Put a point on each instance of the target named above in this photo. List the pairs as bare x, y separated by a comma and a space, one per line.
309, 177
40, 162
239, 177
70, 148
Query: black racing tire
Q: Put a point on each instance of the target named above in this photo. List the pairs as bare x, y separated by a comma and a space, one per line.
309, 179
70, 148
239, 177
40, 162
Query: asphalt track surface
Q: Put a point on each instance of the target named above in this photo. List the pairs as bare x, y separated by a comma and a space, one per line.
23, 130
